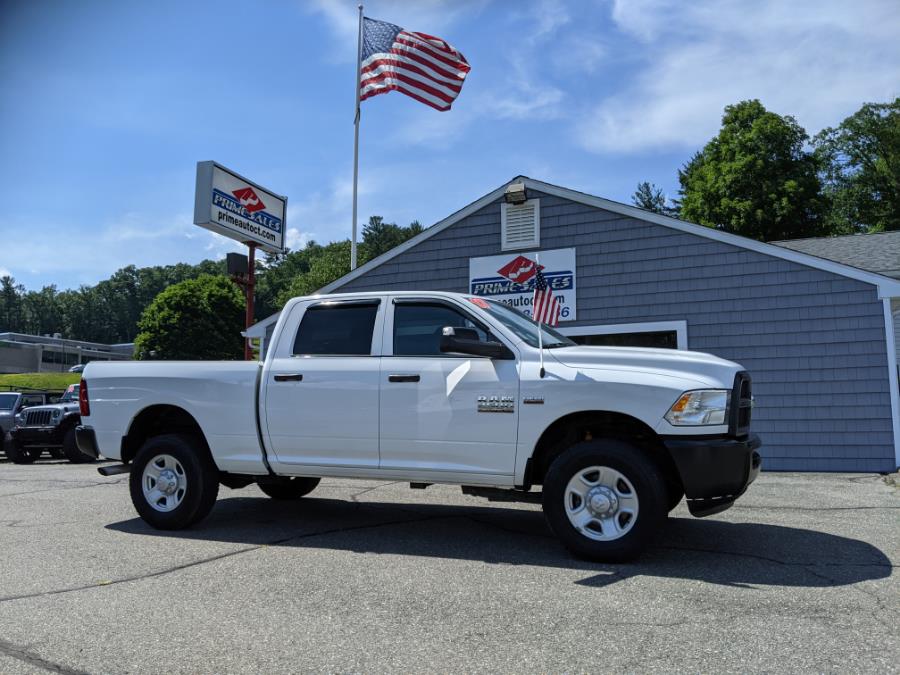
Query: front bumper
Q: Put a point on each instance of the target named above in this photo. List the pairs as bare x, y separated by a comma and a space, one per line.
37, 437
714, 471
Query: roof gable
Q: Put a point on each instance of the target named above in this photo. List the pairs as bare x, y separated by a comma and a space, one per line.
887, 287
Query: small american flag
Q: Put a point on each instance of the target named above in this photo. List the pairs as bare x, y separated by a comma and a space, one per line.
545, 306
421, 66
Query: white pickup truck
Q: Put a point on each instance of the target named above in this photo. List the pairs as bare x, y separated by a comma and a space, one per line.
432, 387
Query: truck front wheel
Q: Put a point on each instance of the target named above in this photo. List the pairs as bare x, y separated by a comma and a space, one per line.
605, 500
174, 482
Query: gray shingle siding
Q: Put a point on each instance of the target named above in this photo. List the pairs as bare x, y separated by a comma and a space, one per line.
813, 341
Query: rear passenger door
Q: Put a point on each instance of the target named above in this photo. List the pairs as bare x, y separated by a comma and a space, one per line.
321, 388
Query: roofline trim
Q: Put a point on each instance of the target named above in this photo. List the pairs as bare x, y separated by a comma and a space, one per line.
887, 287
440, 226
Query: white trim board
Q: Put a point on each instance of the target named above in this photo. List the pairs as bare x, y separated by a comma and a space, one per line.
891, 348
886, 286
680, 328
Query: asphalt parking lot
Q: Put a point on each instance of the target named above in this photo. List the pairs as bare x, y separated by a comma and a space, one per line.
369, 576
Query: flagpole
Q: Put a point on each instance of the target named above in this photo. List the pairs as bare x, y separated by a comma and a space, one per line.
356, 138
537, 262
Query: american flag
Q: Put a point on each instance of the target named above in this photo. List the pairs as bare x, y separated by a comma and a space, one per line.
421, 66
545, 306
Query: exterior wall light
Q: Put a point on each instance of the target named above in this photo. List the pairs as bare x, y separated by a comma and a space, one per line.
515, 194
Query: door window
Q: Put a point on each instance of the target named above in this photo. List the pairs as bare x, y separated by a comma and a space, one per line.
336, 330
418, 327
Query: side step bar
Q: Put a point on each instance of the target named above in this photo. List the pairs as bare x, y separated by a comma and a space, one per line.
114, 469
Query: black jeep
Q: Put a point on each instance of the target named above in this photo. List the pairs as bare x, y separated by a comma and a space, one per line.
47, 427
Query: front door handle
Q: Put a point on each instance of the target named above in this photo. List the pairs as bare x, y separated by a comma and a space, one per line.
289, 377
403, 378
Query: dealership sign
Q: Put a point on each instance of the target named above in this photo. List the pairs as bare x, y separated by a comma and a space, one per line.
510, 278
231, 205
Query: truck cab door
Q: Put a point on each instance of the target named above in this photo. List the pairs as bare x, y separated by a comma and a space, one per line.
320, 391
444, 412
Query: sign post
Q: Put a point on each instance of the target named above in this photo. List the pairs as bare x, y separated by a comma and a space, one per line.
229, 204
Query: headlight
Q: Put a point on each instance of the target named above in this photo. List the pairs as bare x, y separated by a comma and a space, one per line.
695, 408
55, 414
20, 419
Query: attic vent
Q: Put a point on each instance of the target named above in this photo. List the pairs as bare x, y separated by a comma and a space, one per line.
520, 225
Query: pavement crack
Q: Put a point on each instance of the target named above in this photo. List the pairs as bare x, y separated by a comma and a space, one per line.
752, 507
32, 659
756, 556
355, 495
81, 486
211, 559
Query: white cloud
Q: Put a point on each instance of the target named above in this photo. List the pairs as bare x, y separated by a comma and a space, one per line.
818, 63
4, 272
326, 215
295, 239
140, 239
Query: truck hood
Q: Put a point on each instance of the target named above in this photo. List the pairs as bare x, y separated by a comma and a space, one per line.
705, 369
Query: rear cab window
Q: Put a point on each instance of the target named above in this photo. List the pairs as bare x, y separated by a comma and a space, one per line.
337, 329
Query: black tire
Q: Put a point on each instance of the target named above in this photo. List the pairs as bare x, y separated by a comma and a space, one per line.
70, 449
200, 477
16, 454
649, 489
289, 488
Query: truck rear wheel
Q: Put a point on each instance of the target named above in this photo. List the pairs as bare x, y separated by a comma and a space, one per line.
605, 500
16, 454
289, 488
174, 482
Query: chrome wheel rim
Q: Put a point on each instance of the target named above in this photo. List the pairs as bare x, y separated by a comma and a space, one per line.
164, 483
601, 503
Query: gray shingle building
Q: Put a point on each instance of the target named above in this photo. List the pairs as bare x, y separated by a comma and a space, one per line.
816, 335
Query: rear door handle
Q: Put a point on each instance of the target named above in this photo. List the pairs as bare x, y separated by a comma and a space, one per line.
289, 377
403, 378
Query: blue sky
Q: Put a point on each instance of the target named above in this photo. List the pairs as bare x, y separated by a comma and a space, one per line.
105, 108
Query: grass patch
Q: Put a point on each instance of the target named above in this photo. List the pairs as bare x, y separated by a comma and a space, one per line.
42, 381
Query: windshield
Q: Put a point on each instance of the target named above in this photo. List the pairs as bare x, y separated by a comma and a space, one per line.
522, 325
7, 401
71, 394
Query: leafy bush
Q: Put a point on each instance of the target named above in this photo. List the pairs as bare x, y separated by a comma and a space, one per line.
199, 319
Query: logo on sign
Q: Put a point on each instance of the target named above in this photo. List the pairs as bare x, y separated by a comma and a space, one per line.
249, 199
520, 269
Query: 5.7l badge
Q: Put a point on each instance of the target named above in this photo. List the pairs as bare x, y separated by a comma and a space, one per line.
502, 404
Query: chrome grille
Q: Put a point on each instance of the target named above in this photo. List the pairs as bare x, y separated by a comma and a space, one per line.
37, 418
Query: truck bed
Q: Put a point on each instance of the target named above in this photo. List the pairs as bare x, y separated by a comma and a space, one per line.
220, 395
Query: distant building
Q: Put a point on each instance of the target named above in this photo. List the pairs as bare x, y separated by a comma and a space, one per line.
23, 353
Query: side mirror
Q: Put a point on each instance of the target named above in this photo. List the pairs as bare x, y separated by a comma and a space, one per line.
465, 341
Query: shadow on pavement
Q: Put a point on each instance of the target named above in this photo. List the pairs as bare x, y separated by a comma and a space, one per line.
714, 551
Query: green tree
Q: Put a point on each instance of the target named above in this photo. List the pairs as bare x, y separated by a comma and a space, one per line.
379, 237
860, 160
650, 197
326, 263
755, 178
198, 318
11, 305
